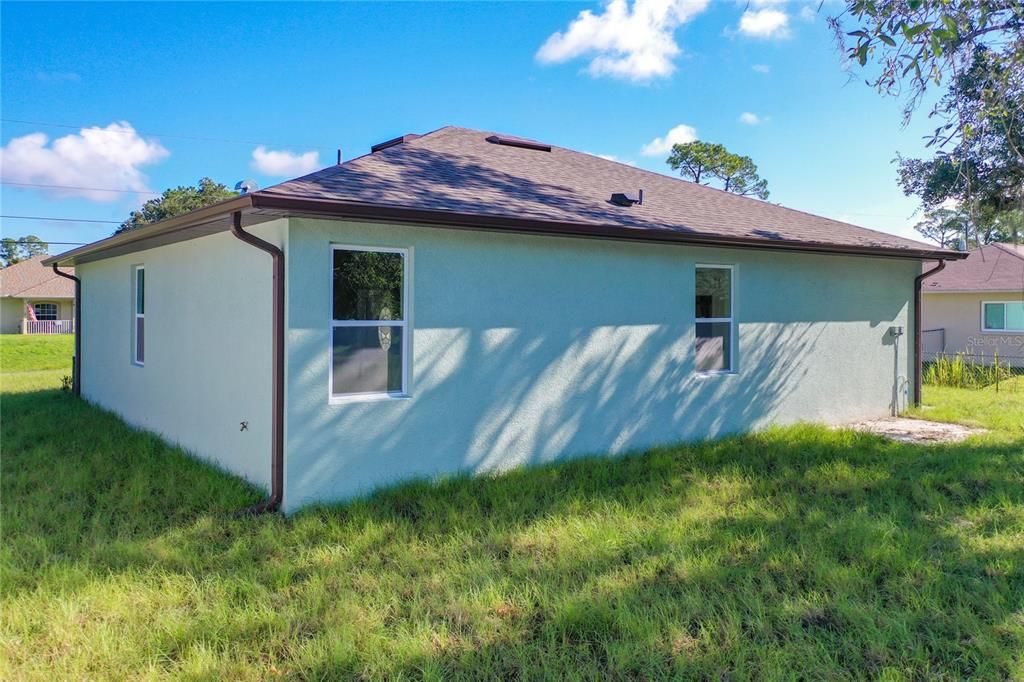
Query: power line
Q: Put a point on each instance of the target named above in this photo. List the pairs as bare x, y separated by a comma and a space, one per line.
140, 132
81, 189
63, 220
43, 241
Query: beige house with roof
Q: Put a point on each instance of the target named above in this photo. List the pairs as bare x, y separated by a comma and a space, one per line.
976, 307
35, 300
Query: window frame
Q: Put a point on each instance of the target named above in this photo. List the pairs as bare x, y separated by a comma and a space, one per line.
989, 330
56, 310
733, 340
136, 316
341, 398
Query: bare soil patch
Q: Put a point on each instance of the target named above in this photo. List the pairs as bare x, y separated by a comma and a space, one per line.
916, 431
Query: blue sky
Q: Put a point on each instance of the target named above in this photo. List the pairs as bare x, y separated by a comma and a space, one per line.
262, 91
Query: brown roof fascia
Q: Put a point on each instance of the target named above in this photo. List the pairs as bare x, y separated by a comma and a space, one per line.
311, 206
184, 221
371, 212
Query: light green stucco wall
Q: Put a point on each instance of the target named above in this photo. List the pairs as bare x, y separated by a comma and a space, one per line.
527, 349
208, 353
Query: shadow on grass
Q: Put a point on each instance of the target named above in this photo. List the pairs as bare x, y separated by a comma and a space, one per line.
833, 553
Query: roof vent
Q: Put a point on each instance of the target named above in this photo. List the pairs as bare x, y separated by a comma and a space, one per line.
509, 141
391, 143
624, 199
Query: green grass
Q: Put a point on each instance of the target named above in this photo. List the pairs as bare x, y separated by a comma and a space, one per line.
796, 553
32, 362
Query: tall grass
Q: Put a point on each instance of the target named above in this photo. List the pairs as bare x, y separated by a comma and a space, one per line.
803, 552
961, 371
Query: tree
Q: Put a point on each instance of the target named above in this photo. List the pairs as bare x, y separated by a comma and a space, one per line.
918, 44
983, 171
975, 50
16, 250
943, 226
176, 201
703, 161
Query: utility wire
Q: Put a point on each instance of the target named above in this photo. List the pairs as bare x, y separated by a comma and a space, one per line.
81, 189
140, 132
43, 241
63, 220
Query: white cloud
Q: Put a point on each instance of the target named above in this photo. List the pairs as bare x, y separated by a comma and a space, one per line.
807, 13
762, 68
612, 157
107, 158
764, 23
284, 162
660, 146
750, 119
630, 42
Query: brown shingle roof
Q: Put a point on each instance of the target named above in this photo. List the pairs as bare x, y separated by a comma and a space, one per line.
31, 279
996, 267
456, 177
458, 170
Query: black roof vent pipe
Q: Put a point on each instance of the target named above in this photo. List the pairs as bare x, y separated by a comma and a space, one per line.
624, 199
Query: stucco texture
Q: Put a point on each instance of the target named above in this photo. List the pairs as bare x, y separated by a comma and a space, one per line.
959, 314
528, 349
207, 346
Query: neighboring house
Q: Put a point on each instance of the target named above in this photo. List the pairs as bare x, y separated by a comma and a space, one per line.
468, 302
976, 306
35, 300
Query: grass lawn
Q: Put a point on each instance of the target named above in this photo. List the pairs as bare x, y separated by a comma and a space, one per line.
795, 553
31, 362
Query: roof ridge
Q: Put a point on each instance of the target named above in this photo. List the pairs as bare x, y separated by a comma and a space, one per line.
1008, 248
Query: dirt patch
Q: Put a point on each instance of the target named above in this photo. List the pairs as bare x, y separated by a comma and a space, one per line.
916, 431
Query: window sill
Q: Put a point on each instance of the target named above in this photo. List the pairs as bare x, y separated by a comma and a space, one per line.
1000, 332
718, 373
366, 398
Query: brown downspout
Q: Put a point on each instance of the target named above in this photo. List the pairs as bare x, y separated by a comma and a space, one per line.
917, 328
273, 502
76, 369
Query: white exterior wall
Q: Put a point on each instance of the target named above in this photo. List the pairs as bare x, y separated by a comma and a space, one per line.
207, 347
527, 349
959, 315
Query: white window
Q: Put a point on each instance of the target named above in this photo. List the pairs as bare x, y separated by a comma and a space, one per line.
1002, 316
369, 333
715, 330
139, 315
45, 311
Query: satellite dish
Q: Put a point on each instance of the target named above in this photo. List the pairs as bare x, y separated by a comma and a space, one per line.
246, 186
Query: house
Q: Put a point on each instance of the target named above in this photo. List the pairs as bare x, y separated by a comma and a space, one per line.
464, 301
976, 306
35, 300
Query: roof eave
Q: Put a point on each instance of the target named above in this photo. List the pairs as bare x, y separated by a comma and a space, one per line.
312, 206
137, 240
184, 221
